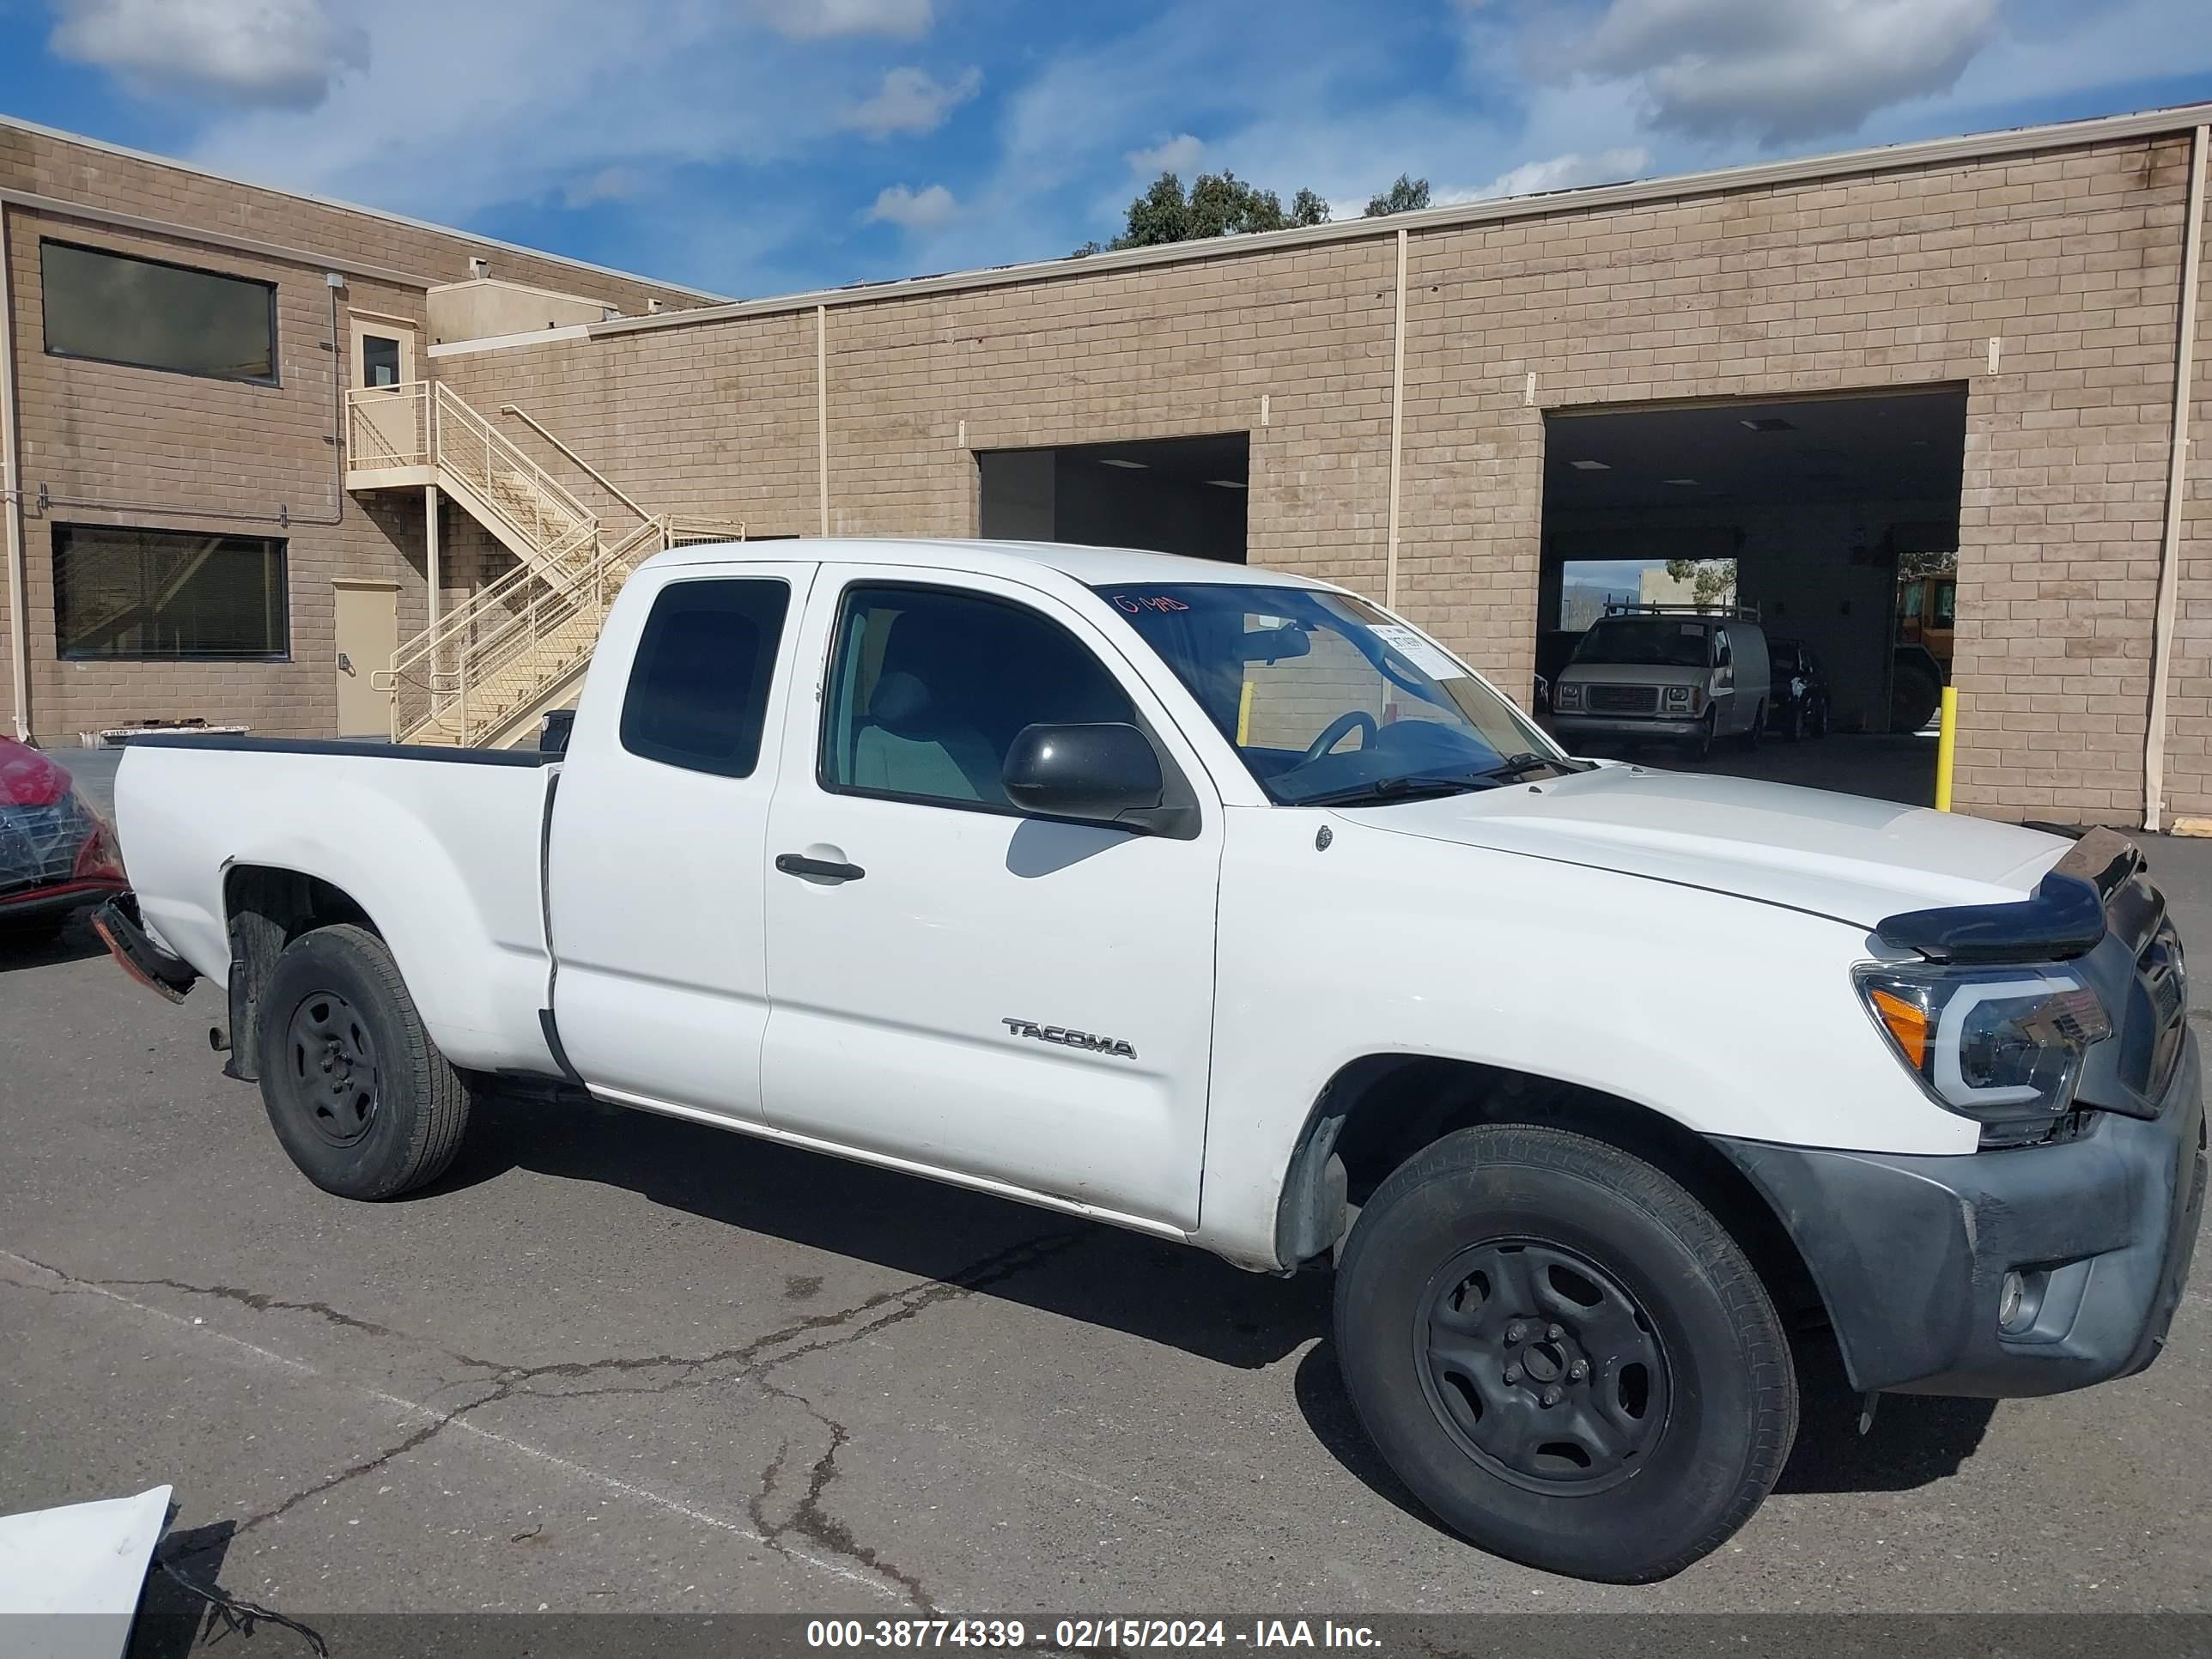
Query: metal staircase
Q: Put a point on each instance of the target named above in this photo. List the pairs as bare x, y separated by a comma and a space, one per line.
483, 673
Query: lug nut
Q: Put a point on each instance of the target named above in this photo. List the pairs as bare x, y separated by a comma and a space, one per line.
1551, 1396
1555, 1332
1516, 1331
1579, 1370
1512, 1373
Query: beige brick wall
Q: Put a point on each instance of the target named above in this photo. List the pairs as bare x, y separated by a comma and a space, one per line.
1876, 281
1869, 282
135, 446
47, 164
123, 446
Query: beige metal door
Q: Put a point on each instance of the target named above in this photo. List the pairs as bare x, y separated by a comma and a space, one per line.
367, 636
388, 429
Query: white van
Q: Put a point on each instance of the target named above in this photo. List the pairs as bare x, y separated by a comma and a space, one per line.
1646, 672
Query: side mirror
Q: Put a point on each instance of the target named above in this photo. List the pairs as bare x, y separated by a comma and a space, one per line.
1102, 774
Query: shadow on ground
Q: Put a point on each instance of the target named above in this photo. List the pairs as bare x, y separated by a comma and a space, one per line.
1164, 1293
1159, 1292
75, 942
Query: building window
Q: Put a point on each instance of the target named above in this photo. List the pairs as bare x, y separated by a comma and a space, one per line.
113, 309
380, 360
162, 595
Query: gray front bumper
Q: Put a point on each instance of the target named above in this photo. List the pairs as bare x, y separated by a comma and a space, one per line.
1909, 1253
1624, 726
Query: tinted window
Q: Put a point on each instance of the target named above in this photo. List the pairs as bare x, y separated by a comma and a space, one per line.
929, 690
698, 690
160, 594
152, 315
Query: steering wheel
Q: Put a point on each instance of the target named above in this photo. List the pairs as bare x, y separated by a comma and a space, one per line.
1333, 733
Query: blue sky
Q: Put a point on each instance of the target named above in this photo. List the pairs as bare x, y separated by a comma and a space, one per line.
761, 146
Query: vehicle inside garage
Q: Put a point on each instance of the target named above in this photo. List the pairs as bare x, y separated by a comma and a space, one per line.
1173, 494
1832, 521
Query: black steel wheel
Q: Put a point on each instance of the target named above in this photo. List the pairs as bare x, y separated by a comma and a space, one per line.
1542, 1365
358, 1095
333, 1059
1565, 1356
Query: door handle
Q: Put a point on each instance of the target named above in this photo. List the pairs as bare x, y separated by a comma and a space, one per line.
798, 864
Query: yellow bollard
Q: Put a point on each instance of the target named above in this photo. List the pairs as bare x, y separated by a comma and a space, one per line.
1947, 745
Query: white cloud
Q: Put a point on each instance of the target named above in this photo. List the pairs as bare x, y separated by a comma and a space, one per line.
1778, 72
607, 185
821, 20
1180, 154
912, 209
1566, 172
278, 54
911, 100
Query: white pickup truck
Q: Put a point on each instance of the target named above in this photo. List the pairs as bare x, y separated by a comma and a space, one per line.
1223, 905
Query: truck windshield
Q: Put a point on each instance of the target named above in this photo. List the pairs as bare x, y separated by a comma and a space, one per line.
1645, 642
1326, 699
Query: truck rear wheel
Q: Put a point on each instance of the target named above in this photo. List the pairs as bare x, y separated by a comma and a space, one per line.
358, 1094
1567, 1358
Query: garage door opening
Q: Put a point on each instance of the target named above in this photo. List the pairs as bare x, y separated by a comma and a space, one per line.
1832, 520
1170, 495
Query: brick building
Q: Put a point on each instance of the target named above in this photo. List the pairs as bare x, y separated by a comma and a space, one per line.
1822, 369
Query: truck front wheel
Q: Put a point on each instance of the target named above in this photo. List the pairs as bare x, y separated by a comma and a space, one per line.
1563, 1354
358, 1094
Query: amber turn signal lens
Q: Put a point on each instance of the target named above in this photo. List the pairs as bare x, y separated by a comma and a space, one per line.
1907, 1024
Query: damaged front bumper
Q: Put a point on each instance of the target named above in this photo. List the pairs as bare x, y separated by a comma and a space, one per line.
1911, 1254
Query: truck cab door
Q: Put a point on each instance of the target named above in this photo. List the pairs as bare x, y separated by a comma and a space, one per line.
658, 839
955, 985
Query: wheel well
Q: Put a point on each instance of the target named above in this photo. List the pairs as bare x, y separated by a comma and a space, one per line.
1380, 1111
265, 909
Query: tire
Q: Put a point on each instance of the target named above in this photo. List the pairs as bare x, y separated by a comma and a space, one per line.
1756, 730
1686, 1406
1914, 695
357, 1093
1701, 747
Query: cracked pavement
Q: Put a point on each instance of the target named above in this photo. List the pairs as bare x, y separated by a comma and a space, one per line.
615, 1361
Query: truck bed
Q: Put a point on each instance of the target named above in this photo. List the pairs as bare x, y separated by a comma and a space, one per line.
439, 847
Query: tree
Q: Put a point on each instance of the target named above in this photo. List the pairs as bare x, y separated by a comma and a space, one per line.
1712, 581
1218, 204
1408, 195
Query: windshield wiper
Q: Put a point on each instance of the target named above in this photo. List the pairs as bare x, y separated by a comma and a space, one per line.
1515, 766
1383, 789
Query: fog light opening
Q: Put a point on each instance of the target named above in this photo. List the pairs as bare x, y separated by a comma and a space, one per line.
2019, 1300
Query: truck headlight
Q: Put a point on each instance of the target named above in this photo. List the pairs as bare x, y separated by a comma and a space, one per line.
1567, 694
1681, 699
2001, 1045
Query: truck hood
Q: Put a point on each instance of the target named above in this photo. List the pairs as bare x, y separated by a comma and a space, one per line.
1844, 856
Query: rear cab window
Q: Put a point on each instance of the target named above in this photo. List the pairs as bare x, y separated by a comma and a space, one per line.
699, 684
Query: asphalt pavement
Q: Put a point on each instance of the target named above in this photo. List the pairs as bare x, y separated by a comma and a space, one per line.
620, 1363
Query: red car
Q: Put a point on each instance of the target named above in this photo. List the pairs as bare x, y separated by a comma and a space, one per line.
57, 854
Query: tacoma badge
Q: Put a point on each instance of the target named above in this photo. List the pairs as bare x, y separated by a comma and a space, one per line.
1068, 1039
